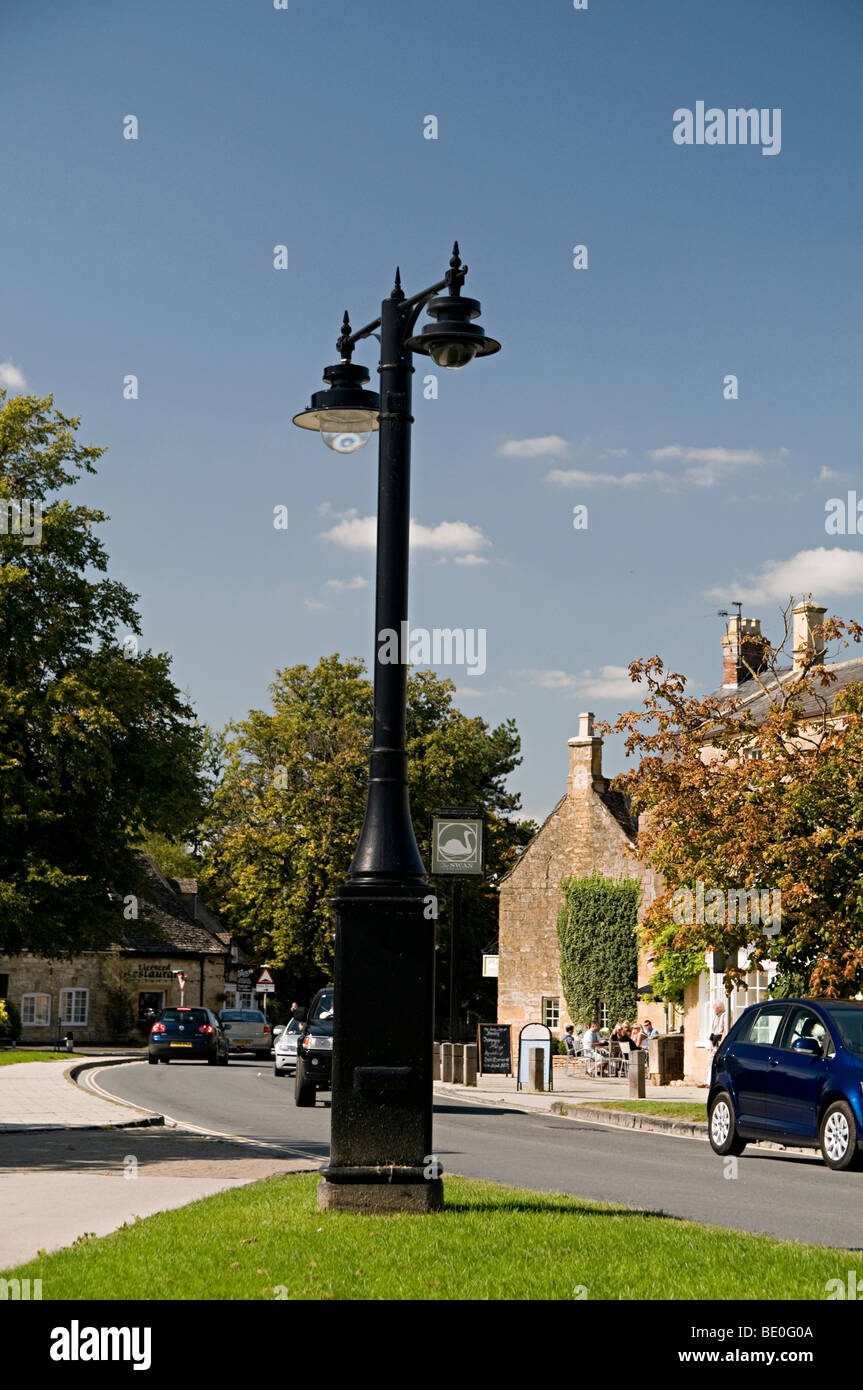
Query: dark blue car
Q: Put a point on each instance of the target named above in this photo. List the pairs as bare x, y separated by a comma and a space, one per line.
791, 1070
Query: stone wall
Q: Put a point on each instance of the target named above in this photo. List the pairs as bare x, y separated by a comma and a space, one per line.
114, 980
580, 835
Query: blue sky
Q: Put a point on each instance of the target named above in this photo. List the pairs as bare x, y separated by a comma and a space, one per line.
304, 127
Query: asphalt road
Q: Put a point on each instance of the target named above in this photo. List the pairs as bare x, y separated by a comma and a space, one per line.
793, 1197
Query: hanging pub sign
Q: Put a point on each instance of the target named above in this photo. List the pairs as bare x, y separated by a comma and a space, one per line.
458, 841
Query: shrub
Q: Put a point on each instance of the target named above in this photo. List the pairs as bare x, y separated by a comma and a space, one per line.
10, 1020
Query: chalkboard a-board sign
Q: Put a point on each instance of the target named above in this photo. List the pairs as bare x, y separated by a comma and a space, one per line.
495, 1048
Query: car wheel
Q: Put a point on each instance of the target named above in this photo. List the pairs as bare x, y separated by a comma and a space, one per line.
213, 1061
164, 1060
304, 1091
721, 1127
223, 1060
838, 1137
154, 1061
277, 1071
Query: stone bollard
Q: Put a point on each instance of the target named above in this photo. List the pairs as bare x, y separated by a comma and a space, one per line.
436, 1063
637, 1073
446, 1061
458, 1063
470, 1063
537, 1068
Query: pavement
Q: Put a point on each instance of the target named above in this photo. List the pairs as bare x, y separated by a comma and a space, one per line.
45, 1095
73, 1163
572, 1089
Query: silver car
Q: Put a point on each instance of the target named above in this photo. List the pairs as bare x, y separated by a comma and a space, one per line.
285, 1048
247, 1030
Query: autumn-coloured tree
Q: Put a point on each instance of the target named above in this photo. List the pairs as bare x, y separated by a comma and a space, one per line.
762, 794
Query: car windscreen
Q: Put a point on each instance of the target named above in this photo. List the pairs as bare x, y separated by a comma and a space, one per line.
849, 1021
252, 1016
324, 1008
231, 1015
196, 1016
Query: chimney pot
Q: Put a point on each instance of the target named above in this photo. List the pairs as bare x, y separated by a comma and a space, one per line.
807, 615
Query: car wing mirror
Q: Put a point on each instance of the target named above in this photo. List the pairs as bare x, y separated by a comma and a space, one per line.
277, 1031
811, 1046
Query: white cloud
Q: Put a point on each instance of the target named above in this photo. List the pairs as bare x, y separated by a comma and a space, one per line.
615, 453
706, 468
314, 604
827, 473
546, 445
456, 537
473, 692
471, 559
609, 683
11, 377
576, 477
713, 465
820, 571
736, 457
356, 583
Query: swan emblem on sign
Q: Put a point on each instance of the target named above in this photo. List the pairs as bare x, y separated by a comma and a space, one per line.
453, 847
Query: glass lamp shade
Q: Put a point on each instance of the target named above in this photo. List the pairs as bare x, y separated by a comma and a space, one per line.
346, 431
452, 355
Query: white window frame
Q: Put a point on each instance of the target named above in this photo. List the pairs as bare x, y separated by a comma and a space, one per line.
603, 1014
73, 1022
756, 991
35, 1021
550, 1011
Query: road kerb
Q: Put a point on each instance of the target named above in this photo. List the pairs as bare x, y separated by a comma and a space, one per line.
632, 1119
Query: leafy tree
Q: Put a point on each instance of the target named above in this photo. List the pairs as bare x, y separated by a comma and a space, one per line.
596, 929
97, 747
766, 800
286, 818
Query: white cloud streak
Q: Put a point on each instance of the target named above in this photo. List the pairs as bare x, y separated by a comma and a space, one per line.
821, 571
452, 537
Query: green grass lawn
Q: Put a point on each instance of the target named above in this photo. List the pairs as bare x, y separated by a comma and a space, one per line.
7, 1058
671, 1109
267, 1241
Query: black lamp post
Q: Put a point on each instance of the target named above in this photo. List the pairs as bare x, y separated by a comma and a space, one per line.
381, 1145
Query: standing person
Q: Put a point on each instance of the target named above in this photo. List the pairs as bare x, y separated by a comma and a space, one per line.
717, 1025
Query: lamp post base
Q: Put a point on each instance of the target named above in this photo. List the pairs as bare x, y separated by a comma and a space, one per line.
381, 1198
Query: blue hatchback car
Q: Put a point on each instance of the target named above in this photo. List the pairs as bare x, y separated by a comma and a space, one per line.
791, 1070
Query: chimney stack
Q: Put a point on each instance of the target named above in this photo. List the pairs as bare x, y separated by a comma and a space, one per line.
807, 615
585, 758
743, 650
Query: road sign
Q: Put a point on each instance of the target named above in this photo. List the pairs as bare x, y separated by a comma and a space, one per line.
265, 984
457, 842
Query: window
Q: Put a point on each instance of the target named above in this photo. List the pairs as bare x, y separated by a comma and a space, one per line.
35, 1010
551, 1013
603, 1014
804, 1024
151, 1002
763, 1026
4, 986
74, 1005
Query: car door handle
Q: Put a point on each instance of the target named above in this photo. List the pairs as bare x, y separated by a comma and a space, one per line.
772, 1062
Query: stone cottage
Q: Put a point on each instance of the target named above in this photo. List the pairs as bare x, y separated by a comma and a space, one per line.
589, 829
106, 996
